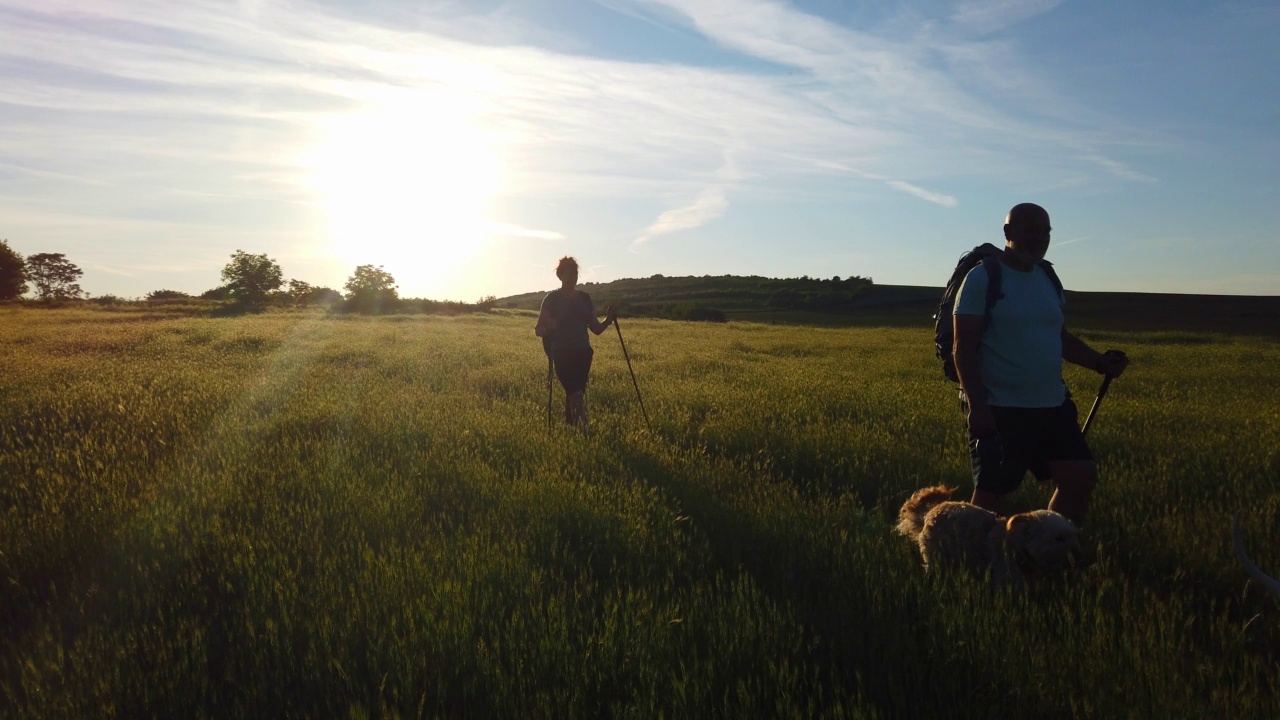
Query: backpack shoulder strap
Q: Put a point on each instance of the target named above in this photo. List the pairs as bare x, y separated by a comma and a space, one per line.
1053, 276
994, 280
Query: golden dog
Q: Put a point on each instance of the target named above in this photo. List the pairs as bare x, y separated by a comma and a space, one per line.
960, 534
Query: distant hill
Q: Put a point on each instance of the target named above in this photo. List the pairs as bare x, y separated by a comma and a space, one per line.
714, 297
857, 301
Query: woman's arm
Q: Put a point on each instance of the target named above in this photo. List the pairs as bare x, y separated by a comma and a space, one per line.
546, 323
596, 326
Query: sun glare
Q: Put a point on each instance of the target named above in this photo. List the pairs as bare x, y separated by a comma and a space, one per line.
408, 188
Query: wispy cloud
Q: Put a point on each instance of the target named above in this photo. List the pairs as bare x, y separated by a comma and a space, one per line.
1071, 241
145, 269
1119, 169
510, 230
153, 120
709, 204
993, 15
259, 78
635, 12
903, 103
114, 270
933, 197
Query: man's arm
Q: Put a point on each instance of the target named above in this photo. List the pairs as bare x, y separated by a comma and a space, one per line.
1078, 352
968, 331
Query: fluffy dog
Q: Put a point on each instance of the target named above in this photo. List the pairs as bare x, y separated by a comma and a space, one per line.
959, 534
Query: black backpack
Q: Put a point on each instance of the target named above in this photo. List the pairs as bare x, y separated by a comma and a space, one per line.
988, 256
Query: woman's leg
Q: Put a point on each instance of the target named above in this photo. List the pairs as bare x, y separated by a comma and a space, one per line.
578, 409
573, 368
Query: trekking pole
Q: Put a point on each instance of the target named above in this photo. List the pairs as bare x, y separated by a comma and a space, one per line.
618, 327
1102, 392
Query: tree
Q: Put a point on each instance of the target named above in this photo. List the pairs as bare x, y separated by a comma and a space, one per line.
786, 298
13, 273
371, 289
368, 279
250, 279
299, 291
54, 276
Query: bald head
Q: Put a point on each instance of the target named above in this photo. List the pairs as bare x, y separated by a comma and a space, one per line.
1024, 214
1026, 231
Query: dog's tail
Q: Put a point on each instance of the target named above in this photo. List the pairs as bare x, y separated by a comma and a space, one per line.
911, 516
1254, 571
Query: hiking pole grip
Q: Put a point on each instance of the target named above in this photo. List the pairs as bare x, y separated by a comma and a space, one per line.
635, 384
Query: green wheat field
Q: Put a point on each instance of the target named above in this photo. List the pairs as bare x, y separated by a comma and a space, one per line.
303, 515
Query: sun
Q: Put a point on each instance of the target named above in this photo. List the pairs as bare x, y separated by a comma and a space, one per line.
408, 186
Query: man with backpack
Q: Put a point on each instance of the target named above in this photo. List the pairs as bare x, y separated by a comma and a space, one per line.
1010, 339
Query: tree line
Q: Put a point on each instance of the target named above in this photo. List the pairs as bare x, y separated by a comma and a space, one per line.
251, 282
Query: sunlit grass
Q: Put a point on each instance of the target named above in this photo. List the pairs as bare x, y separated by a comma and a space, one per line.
305, 515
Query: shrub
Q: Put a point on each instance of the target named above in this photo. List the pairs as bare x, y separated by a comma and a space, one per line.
168, 295
371, 302
222, 292
322, 296
706, 314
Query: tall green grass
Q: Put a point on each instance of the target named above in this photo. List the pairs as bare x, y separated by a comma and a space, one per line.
313, 516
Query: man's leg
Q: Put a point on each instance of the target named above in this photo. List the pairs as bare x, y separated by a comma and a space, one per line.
998, 463
1072, 467
1076, 480
988, 500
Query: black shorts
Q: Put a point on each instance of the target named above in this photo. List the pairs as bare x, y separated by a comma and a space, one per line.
572, 368
1026, 439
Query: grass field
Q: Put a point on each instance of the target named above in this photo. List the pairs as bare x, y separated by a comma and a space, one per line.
296, 515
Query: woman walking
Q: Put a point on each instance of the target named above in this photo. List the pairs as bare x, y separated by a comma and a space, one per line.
563, 322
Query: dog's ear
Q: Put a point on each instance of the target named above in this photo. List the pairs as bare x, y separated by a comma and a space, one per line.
1021, 527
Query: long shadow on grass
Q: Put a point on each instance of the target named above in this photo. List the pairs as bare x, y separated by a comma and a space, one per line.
873, 622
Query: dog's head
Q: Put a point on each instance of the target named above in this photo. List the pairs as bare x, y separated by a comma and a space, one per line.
1042, 541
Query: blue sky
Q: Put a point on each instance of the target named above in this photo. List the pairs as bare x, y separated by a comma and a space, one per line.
466, 145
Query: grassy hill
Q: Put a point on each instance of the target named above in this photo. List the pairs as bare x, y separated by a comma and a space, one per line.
857, 301
714, 297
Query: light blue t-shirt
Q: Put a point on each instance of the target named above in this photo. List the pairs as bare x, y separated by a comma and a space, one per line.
1021, 351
